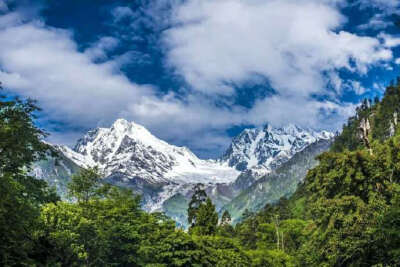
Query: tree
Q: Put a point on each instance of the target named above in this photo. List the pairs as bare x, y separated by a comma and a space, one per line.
199, 197
107, 235
206, 219
20, 194
87, 184
20, 140
225, 228
247, 214
226, 218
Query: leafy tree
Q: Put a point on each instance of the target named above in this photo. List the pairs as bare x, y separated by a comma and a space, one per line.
247, 232
386, 236
87, 184
20, 194
276, 258
20, 140
221, 251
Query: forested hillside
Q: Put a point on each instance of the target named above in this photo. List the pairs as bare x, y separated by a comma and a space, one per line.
346, 213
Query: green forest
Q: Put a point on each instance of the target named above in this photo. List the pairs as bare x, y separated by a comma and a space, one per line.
346, 213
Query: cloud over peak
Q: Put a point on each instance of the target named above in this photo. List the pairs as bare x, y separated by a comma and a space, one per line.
301, 49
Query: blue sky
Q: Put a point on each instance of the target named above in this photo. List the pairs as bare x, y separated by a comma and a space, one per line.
196, 72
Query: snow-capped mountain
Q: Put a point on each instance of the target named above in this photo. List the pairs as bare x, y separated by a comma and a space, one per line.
266, 149
131, 150
163, 174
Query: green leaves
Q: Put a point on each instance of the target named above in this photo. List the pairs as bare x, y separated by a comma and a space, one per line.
20, 140
86, 185
206, 219
20, 195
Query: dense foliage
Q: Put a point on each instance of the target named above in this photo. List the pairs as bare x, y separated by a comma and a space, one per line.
21, 195
346, 213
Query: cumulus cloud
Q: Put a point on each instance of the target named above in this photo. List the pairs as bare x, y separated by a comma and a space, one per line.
289, 42
44, 63
306, 112
98, 50
298, 46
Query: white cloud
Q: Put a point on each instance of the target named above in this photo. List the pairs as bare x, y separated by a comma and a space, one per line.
213, 45
357, 87
289, 42
98, 50
379, 87
378, 22
388, 40
383, 11
305, 112
44, 63
297, 45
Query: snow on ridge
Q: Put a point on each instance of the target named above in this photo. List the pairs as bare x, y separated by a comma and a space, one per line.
267, 148
129, 148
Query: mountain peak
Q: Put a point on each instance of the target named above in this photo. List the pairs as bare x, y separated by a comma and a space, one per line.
267, 149
267, 127
121, 123
129, 149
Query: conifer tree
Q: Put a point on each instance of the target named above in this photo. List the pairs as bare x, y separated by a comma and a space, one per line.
199, 197
206, 219
226, 218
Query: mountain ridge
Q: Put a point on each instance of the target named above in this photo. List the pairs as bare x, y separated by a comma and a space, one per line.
265, 149
130, 156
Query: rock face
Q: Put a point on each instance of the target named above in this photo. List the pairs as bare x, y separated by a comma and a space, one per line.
266, 149
130, 156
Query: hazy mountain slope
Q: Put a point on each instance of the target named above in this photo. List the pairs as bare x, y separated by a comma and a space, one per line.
249, 191
281, 182
56, 170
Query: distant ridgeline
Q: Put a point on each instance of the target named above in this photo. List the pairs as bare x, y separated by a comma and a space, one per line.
347, 211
